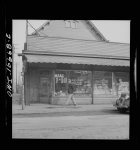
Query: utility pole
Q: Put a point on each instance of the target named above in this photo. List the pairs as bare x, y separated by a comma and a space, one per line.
23, 68
14, 69
26, 30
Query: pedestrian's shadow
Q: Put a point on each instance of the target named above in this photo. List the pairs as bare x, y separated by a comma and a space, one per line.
72, 106
64, 106
50, 107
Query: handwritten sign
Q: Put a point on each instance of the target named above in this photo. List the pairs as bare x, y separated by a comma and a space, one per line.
75, 81
9, 64
59, 75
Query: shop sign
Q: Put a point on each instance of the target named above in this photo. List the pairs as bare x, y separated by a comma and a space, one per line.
59, 75
60, 80
75, 81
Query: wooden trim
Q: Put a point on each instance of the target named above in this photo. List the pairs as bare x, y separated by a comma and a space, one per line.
53, 86
29, 52
38, 29
29, 77
25, 87
67, 85
53, 79
25, 81
92, 85
112, 80
94, 30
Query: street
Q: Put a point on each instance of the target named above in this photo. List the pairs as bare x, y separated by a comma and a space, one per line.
95, 126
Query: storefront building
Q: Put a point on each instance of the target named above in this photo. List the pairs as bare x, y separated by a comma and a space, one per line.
74, 52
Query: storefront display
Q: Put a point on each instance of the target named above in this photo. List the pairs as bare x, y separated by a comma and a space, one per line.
60, 83
121, 82
102, 83
81, 80
105, 83
90, 87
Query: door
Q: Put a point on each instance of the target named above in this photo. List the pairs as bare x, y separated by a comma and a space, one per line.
44, 87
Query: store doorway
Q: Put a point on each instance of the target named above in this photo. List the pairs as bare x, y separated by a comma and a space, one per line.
44, 87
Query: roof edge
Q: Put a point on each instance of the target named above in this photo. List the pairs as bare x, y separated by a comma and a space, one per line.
88, 22
40, 27
95, 29
73, 55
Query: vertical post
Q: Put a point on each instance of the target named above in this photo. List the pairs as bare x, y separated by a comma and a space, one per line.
29, 81
53, 85
23, 81
26, 30
23, 105
115, 84
67, 74
18, 79
112, 84
54, 82
26, 34
92, 85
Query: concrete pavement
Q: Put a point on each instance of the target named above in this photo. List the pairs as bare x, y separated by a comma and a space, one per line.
36, 122
72, 127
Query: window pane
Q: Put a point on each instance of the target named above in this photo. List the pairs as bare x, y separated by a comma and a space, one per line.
73, 24
60, 83
121, 82
102, 82
67, 23
81, 80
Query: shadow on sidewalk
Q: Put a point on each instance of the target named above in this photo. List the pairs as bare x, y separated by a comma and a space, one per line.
67, 106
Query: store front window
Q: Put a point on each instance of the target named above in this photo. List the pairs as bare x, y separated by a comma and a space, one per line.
121, 82
81, 80
60, 83
105, 83
102, 83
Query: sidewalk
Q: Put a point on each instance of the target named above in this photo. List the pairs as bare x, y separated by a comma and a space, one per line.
48, 108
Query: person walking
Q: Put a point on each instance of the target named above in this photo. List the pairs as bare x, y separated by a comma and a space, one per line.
71, 95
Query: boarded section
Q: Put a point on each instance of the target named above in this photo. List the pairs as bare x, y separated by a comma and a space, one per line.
34, 86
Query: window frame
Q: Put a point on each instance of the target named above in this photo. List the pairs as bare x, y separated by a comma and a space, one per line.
67, 24
74, 23
70, 24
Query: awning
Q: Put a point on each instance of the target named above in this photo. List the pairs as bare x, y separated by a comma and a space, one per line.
77, 60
